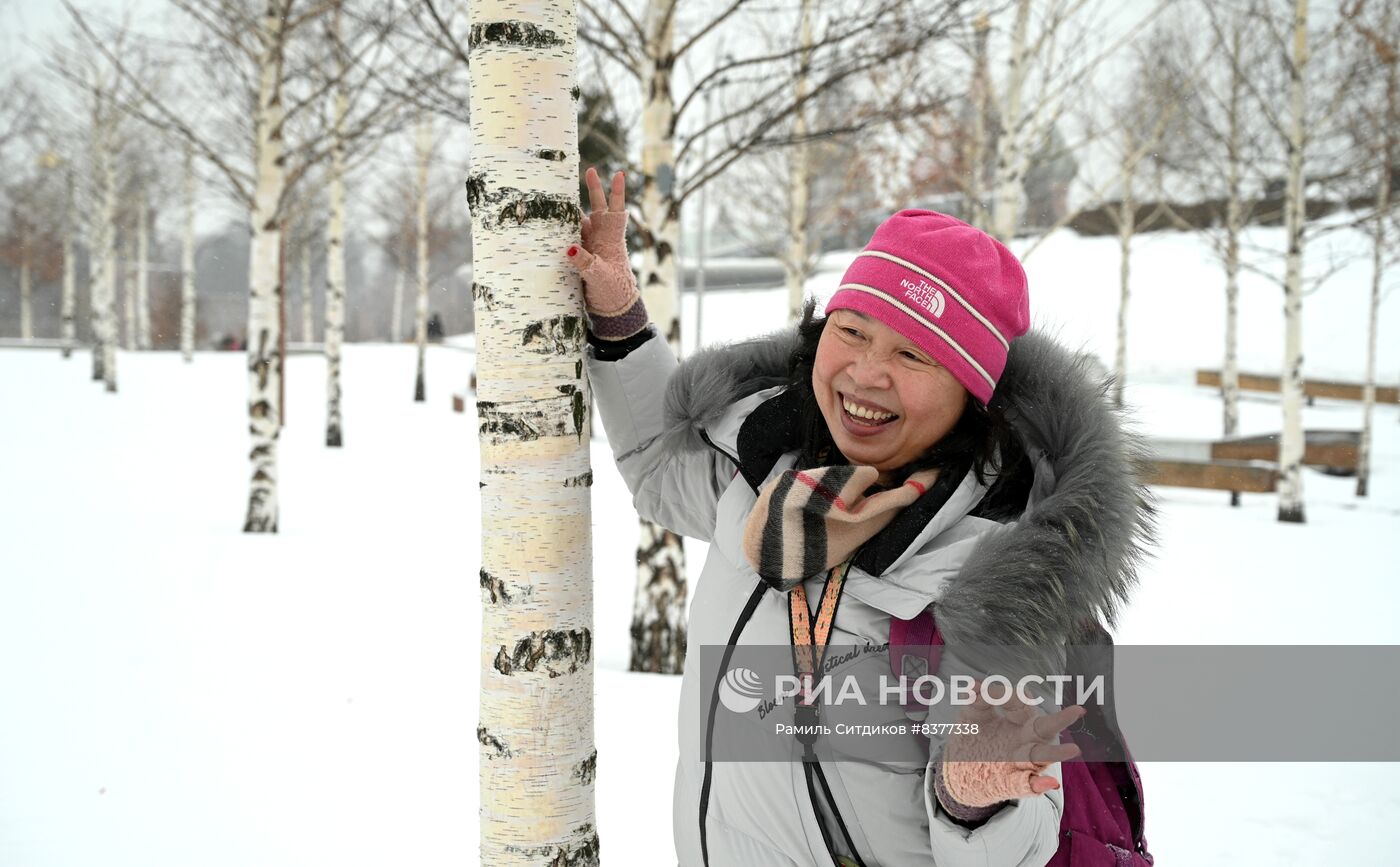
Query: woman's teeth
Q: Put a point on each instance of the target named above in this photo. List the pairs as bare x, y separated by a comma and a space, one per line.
868, 414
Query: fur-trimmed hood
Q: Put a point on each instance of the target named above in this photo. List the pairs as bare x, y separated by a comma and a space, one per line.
1070, 561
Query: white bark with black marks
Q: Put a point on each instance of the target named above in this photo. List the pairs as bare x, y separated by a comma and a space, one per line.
661, 582
308, 330
396, 315
1126, 227
335, 247
69, 304
103, 233
796, 263
1391, 115
143, 285
128, 288
26, 289
1013, 145
980, 97
1291, 443
1234, 226
187, 297
535, 735
265, 290
425, 152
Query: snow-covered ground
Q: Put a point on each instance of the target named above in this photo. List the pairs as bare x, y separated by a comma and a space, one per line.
174, 692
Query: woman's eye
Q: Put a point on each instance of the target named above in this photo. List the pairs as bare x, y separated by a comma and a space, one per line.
913, 357
850, 331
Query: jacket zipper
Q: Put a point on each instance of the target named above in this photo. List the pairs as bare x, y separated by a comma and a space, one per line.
738, 465
744, 617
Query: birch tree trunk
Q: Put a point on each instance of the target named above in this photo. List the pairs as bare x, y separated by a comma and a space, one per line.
795, 265
129, 297
977, 142
1290, 505
1013, 150
335, 249
104, 255
396, 315
1368, 405
660, 225
308, 331
1126, 226
265, 291
425, 149
143, 286
537, 753
1234, 225
68, 306
187, 301
658, 610
26, 288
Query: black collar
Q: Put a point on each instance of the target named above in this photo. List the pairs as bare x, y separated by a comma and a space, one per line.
774, 428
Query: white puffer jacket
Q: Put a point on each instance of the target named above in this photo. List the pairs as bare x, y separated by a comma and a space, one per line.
694, 442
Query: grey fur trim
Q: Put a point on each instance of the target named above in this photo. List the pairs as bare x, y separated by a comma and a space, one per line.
708, 381
1073, 555
1070, 558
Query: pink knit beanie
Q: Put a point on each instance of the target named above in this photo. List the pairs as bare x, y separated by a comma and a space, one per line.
953, 290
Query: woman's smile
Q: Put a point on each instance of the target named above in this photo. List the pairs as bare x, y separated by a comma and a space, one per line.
864, 419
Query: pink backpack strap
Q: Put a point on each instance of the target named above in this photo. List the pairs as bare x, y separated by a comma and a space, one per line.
915, 647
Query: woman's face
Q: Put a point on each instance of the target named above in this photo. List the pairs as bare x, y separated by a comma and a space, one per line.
863, 368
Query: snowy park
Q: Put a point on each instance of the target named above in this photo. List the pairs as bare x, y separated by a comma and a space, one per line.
178, 692
333, 335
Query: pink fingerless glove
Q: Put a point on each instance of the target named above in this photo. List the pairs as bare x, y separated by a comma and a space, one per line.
615, 308
970, 785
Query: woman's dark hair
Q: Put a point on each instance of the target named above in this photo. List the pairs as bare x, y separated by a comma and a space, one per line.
979, 436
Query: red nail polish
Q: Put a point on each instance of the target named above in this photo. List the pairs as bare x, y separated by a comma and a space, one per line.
573, 251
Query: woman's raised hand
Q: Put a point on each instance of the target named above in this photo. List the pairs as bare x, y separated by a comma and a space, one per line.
1007, 758
609, 288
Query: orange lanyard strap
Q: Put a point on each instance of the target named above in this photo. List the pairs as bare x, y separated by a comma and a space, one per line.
807, 659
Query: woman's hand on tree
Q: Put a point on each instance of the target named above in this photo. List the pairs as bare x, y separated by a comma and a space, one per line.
609, 288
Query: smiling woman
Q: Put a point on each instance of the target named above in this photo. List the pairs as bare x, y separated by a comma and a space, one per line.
873, 449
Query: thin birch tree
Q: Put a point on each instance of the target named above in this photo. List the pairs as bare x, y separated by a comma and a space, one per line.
187, 294
102, 231
25, 231
68, 306
423, 152
799, 247
335, 230
142, 266
538, 760
1291, 440
93, 91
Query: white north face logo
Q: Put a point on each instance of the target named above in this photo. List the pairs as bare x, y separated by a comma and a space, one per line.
926, 296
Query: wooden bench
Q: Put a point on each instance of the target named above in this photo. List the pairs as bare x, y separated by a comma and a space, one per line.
1332, 451
1248, 476
1311, 387
1248, 464
37, 343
